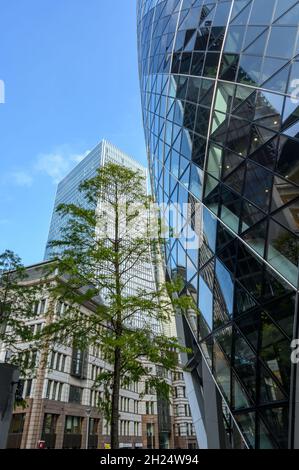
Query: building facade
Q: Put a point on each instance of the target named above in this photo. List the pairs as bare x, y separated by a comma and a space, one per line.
219, 86
61, 399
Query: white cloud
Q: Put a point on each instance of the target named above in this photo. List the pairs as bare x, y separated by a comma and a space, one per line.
53, 165
20, 178
56, 165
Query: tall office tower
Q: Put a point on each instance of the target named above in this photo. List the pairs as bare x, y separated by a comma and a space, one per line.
219, 85
68, 189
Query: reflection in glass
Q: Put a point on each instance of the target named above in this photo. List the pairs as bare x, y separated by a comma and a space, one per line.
249, 272
256, 238
239, 399
247, 426
275, 74
282, 311
275, 351
209, 227
250, 215
215, 161
283, 251
206, 302
265, 438
277, 420
288, 162
224, 288
230, 209
249, 324
245, 364
238, 138
258, 186
243, 301
277, 47
250, 70
224, 340
222, 371
196, 180
270, 391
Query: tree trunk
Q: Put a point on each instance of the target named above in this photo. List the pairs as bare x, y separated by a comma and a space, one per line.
115, 400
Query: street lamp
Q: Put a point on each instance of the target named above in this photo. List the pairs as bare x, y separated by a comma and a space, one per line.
88, 413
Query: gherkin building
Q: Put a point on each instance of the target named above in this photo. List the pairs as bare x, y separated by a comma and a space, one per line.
220, 97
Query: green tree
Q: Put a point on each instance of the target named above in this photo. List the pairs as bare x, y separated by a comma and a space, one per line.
17, 305
105, 241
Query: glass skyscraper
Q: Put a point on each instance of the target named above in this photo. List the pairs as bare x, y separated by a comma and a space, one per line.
68, 189
219, 84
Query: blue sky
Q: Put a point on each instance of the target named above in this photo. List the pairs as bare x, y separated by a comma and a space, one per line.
71, 78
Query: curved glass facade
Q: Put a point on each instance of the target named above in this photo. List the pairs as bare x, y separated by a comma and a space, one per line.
219, 84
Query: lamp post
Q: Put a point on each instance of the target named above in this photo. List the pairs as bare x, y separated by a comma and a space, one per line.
88, 413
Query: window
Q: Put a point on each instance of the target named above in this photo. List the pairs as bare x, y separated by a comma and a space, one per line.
54, 390
245, 364
275, 351
79, 364
150, 433
33, 359
234, 39
206, 302
283, 250
194, 85
187, 410
229, 66
43, 306
224, 287
215, 161
255, 237
278, 421
124, 428
49, 426
136, 429
93, 426
257, 47
49, 384
60, 389
28, 388
196, 180
258, 186
36, 307
150, 408
247, 426
262, 15
250, 70
277, 47
75, 395
62, 364
17, 423
211, 64
73, 425
222, 371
